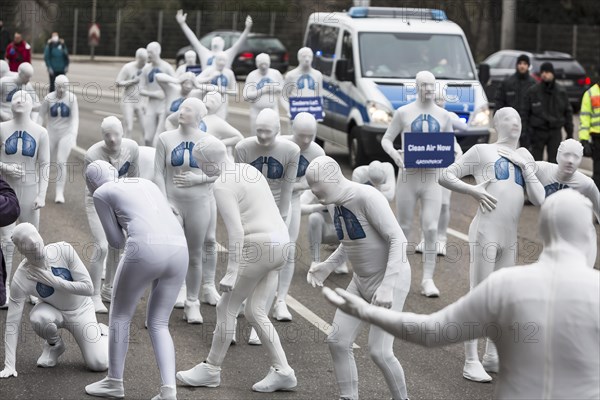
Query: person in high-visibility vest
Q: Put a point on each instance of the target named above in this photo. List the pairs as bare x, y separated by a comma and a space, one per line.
589, 128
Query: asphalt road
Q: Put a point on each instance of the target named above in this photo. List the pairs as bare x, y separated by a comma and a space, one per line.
430, 373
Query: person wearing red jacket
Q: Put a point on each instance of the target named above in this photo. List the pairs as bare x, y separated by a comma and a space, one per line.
17, 52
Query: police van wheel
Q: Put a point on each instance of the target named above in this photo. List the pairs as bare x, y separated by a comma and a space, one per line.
357, 153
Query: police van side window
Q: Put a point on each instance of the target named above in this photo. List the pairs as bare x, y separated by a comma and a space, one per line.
347, 52
322, 40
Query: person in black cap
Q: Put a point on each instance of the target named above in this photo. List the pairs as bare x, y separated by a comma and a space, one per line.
546, 111
511, 92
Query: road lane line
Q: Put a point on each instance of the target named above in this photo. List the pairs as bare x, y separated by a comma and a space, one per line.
457, 234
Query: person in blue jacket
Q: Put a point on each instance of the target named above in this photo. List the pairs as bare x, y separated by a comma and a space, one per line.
56, 57
9, 212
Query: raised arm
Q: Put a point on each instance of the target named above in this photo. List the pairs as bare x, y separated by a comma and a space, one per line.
202, 51
235, 48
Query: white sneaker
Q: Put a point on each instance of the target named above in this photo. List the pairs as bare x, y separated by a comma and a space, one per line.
202, 374
242, 310
107, 387
104, 271
420, 247
254, 340
342, 269
99, 305
210, 294
234, 338
5, 305
473, 371
167, 392
441, 249
50, 354
281, 312
59, 198
33, 300
276, 380
491, 363
106, 292
429, 289
181, 296
191, 312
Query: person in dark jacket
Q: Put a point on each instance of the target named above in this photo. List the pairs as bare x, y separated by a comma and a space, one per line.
56, 58
512, 90
546, 111
4, 39
9, 212
17, 52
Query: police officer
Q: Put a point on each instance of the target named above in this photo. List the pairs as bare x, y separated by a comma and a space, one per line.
589, 128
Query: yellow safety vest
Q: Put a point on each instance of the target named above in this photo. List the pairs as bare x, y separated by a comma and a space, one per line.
589, 116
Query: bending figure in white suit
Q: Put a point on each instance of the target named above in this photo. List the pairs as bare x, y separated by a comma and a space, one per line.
257, 244
372, 240
503, 174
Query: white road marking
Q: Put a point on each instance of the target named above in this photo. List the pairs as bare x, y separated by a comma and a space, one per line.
107, 114
457, 234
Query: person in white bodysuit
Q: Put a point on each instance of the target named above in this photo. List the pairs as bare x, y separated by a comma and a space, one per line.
123, 154
371, 239
502, 175
189, 65
262, 89
544, 316
56, 275
176, 90
218, 79
149, 87
219, 128
304, 80
378, 174
132, 104
419, 184
189, 191
24, 159
62, 111
217, 44
5, 69
137, 218
305, 129
257, 245
10, 84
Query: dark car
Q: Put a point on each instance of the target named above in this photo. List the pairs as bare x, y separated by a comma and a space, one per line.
568, 72
244, 61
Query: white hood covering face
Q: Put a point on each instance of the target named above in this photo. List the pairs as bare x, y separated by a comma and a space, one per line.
98, 173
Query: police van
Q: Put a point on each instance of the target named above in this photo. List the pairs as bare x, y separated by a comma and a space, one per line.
369, 57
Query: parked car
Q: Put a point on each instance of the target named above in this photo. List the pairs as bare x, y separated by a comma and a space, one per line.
256, 43
568, 72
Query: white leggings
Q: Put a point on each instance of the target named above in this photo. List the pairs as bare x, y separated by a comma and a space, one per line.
152, 120
102, 252
287, 272
209, 260
142, 264
60, 148
26, 195
381, 343
320, 231
420, 184
257, 277
129, 110
196, 215
46, 321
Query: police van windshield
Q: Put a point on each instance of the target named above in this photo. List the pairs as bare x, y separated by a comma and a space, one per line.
402, 55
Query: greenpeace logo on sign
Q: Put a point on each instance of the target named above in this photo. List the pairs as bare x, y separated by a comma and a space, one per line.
428, 150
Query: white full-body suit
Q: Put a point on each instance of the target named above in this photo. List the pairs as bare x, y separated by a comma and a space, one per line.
218, 79
189, 192
56, 275
544, 317
502, 175
189, 65
62, 112
11, 84
305, 130
371, 239
302, 81
320, 225
136, 217
217, 44
123, 154
419, 184
176, 90
149, 87
5, 69
24, 159
378, 174
258, 239
132, 104
262, 89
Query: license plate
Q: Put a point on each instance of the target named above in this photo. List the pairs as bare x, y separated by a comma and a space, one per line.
274, 57
565, 82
